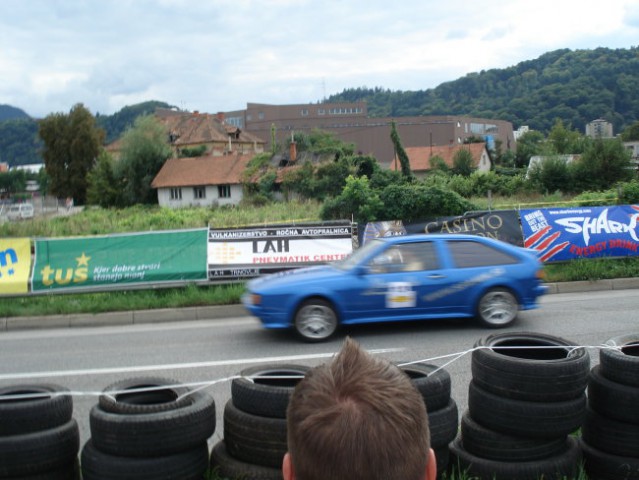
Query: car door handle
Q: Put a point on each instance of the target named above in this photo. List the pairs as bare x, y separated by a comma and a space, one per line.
435, 276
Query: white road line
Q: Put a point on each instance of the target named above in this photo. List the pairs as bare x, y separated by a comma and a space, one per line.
176, 366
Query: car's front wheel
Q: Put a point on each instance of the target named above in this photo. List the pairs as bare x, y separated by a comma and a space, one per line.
497, 308
315, 320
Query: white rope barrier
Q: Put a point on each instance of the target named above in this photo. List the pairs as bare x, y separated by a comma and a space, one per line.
198, 386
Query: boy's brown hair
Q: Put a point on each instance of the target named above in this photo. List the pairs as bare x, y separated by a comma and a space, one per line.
357, 418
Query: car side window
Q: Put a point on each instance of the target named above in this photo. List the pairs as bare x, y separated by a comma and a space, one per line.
467, 254
406, 257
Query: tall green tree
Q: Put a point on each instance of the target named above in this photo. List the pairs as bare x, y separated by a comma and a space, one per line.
72, 143
104, 189
463, 163
562, 139
529, 144
144, 151
401, 153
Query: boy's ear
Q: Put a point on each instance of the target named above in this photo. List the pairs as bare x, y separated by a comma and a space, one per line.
431, 466
287, 467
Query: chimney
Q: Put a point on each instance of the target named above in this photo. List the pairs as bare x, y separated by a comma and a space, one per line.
292, 151
220, 116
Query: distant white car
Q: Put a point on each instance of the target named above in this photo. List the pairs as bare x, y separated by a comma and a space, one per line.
20, 211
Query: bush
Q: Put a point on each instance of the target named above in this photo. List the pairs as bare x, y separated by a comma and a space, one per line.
416, 201
629, 193
596, 199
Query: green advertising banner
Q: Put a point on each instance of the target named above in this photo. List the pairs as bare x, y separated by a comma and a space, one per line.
79, 263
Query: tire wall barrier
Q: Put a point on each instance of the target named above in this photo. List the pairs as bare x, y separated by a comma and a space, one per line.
610, 433
529, 396
38, 436
526, 396
254, 441
149, 428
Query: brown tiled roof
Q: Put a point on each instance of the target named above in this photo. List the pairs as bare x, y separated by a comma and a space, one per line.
198, 128
419, 157
201, 171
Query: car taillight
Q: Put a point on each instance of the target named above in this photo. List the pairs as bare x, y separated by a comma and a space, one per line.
541, 275
256, 299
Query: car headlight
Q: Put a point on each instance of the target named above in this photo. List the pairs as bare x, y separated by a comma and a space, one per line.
255, 299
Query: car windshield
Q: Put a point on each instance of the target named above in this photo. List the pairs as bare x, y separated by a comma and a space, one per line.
354, 258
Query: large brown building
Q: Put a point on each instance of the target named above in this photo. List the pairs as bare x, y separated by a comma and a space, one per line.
350, 123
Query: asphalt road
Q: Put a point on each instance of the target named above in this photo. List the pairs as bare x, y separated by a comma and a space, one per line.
209, 352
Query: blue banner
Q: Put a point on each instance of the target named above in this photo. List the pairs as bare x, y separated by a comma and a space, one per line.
581, 232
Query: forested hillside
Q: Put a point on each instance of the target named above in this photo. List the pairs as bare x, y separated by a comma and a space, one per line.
20, 143
115, 125
7, 112
575, 86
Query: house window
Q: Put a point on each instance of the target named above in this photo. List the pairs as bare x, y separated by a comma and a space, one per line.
321, 111
260, 115
176, 194
304, 112
199, 193
224, 191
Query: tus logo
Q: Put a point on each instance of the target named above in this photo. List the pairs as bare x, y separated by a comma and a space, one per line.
6, 256
62, 276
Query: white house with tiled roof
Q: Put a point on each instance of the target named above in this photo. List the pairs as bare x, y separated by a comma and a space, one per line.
201, 181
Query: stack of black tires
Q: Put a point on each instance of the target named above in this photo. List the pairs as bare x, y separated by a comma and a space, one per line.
39, 439
255, 423
149, 428
610, 433
526, 396
443, 416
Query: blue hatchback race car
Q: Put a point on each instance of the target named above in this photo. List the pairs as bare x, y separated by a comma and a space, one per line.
402, 278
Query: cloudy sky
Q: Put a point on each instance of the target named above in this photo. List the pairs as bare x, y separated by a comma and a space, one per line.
217, 55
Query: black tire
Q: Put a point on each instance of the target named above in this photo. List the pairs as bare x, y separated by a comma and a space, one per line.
608, 435
265, 390
68, 472
530, 366
491, 445
41, 407
186, 465
431, 381
315, 320
559, 467
143, 395
227, 466
154, 434
605, 466
612, 399
254, 439
619, 359
443, 424
497, 308
39, 452
526, 419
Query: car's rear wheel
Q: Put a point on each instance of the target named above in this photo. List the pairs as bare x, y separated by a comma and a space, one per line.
315, 320
497, 308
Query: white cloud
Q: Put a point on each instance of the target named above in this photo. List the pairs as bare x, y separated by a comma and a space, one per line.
219, 55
